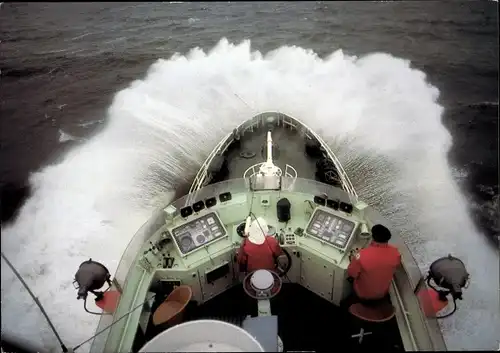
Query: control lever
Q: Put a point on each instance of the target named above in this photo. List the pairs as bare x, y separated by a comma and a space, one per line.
299, 231
168, 262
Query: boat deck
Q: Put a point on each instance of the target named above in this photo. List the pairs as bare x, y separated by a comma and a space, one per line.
288, 148
306, 322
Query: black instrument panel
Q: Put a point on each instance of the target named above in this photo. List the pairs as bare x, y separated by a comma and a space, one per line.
198, 232
335, 230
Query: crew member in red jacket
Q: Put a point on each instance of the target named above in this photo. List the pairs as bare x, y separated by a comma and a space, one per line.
258, 251
373, 267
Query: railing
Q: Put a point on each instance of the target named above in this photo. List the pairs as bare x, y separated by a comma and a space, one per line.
291, 175
290, 172
345, 181
284, 119
255, 169
202, 174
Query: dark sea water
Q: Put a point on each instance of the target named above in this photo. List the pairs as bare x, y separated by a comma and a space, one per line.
61, 65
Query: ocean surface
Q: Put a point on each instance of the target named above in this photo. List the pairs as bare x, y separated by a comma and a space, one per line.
101, 122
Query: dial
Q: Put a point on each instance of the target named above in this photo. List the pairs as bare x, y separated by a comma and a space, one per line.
186, 243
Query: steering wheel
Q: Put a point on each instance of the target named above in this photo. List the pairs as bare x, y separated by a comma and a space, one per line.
287, 259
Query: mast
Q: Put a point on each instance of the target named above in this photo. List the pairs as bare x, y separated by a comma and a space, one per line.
268, 168
269, 148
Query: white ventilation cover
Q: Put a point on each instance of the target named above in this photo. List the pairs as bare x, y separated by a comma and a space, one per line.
203, 336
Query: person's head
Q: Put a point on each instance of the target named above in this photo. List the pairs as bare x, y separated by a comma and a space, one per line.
258, 231
380, 234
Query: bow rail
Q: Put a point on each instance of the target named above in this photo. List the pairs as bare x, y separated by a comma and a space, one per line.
260, 120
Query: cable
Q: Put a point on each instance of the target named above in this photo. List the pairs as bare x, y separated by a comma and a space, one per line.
63, 347
451, 313
93, 312
444, 293
244, 102
112, 324
99, 296
251, 204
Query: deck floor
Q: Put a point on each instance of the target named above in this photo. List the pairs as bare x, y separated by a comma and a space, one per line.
306, 322
291, 150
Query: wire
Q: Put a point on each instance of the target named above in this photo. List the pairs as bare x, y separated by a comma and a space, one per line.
251, 203
244, 102
112, 324
428, 280
450, 313
99, 296
92, 312
63, 347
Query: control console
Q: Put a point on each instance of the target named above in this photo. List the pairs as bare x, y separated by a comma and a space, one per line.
199, 232
333, 229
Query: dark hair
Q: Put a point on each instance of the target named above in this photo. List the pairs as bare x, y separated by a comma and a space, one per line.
380, 234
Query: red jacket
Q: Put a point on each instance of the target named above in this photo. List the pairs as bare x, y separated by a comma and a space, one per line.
373, 268
259, 257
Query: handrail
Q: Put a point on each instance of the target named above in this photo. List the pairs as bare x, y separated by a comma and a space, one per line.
202, 172
256, 169
346, 182
252, 168
292, 175
227, 140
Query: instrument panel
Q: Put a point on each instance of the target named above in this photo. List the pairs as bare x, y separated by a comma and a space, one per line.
331, 228
199, 232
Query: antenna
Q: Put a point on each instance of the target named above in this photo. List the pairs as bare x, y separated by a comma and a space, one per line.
268, 168
63, 347
241, 99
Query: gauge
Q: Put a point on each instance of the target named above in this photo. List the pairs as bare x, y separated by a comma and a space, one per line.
186, 243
